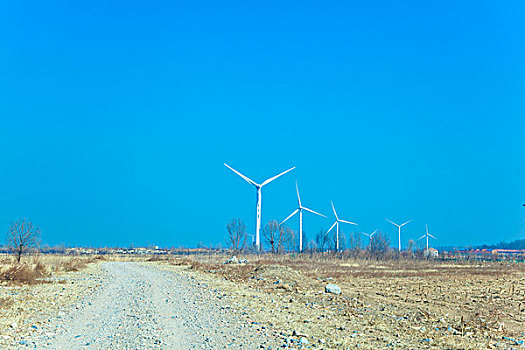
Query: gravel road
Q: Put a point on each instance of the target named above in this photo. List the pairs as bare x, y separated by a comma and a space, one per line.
141, 306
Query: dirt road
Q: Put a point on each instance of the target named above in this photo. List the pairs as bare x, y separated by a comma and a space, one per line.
140, 306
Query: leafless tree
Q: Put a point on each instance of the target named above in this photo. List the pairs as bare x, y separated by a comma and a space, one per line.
311, 247
380, 244
332, 240
321, 238
289, 239
272, 235
356, 243
236, 235
22, 237
410, 248
285, 234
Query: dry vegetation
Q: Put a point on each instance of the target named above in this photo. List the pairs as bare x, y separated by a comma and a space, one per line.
37, 288
384, 303
37, 269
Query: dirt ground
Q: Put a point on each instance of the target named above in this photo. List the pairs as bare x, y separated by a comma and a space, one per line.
403, 304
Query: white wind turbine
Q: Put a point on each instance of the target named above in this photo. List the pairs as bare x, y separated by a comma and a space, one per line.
258, 188
336, 223
300, 210
369, 235
426, 235
399, 227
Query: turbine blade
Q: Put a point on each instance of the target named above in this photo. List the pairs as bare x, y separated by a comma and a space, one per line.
432, 236
241, 175
331, 227
366, 234
348, 222
421, 237
403, 224
276, 176
373, 233
292, 214
312, 211
393, 223
298, 196
334, 210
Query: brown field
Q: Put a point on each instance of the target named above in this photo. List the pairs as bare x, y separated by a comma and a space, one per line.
402, 304
384, 304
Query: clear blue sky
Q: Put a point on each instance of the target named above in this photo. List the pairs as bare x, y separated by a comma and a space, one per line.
116, 117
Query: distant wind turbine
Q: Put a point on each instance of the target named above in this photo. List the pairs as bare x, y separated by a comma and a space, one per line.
426, 235
258, 187
369, 234
336, 223
399, 227
300, 209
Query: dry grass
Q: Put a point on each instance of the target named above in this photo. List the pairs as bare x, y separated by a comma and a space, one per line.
458, 302
5, 302
23, 274
37, 268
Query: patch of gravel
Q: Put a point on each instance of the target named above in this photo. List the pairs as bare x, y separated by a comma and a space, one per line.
141, 306
32, 308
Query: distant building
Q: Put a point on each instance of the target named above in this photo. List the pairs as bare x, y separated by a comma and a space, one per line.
489, 254
431, 253
508, 253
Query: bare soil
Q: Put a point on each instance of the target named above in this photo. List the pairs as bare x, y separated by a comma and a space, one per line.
402, 304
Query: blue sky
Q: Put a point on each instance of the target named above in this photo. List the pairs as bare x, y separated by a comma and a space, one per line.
116, 117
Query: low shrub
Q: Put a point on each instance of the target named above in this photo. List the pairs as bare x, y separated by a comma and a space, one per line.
74, 265
23, 274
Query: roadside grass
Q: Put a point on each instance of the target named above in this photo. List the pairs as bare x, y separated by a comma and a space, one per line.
37, 268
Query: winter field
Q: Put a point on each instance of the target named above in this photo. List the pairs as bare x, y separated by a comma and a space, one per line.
267, 301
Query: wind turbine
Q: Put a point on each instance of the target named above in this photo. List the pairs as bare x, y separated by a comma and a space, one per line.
369, 235
426, 235
258, 187
300, 210
336, 223
399, 227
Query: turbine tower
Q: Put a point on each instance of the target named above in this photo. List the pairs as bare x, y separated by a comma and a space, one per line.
300, 209
426, 235
336, 223
399, 227
258, 187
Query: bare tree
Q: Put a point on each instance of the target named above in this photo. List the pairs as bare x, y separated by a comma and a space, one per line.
285, 234
289, 239
311, 246
410, 248
22, 237
236, 234
321, 238
379, 244
356, 243
272, 235
332, 240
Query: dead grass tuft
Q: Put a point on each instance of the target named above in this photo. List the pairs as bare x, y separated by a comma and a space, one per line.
76, 264
23, 274
157, 258
5, 302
